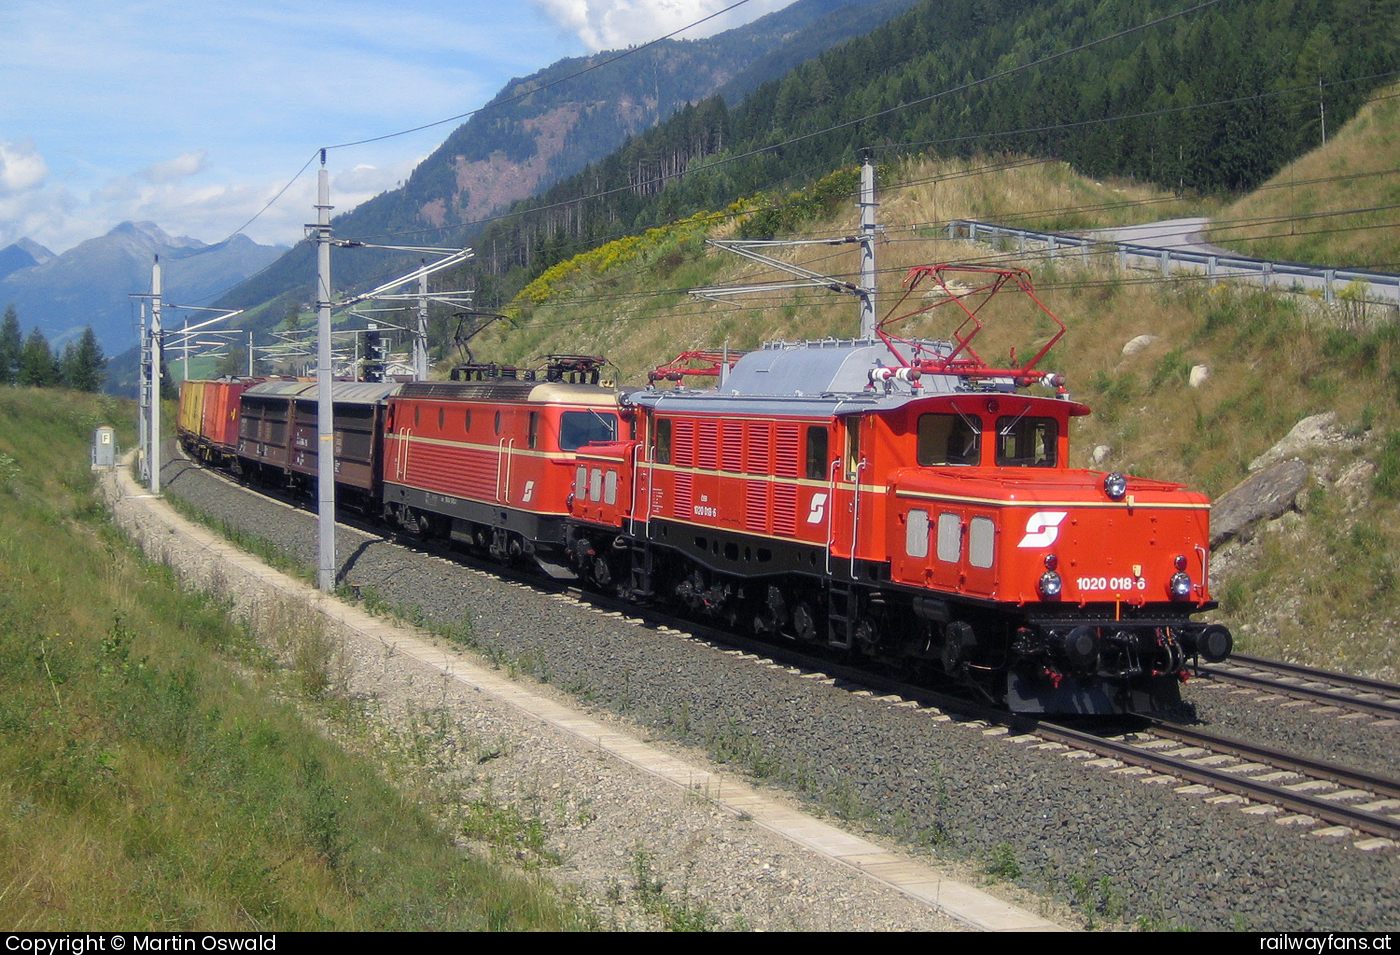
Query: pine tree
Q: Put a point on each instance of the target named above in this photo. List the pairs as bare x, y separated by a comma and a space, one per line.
11, 346
37, 368
84, 363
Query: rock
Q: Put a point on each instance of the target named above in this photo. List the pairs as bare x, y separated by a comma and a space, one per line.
1313, 431
1199, 374
1260, 497
1355, 479
1099, 455
1138, 344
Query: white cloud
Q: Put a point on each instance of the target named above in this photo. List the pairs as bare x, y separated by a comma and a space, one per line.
183, 165
21, 168
614, 24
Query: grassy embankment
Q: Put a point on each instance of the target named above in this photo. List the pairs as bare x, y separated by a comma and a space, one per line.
1321, 588
1333, 206
155, 770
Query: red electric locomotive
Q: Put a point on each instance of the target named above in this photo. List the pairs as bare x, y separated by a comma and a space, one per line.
487, 458
904, 500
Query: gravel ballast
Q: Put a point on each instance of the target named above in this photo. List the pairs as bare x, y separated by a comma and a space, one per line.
1120, 851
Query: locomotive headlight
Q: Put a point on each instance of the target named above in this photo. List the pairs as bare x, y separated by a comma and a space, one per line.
1115, 486
1050, 585
1180, 586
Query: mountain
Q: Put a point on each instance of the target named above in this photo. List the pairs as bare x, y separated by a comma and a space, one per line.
23, 254
540, 129
91, 283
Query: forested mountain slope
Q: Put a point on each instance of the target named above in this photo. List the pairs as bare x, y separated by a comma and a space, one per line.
1216, 99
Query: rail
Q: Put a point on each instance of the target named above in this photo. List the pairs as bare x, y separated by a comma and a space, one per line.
1356, 284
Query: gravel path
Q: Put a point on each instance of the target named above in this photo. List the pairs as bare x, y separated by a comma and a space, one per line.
1118, 850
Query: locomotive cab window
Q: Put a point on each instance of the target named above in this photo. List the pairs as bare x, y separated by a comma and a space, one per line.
949, 439
1027, 442
852, 448
661, 442
577, 428
816, 453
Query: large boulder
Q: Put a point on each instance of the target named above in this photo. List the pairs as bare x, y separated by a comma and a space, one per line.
1260, 497
1319, 430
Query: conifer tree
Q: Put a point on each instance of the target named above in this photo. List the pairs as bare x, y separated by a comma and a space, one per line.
11, 346
37, 368
84, 363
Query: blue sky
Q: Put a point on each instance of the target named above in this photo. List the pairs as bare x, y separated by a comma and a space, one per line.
194, 114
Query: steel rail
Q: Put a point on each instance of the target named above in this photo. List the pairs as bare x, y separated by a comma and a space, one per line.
1339, 693
1193, 770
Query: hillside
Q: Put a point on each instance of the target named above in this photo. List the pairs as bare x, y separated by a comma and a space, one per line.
1317, 585
160, 770
1335, 205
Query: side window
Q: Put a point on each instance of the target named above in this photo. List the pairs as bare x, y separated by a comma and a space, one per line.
916, 534
534, 429
581, 483
948, 439
661, 446
498, 424
816, 452
852, 448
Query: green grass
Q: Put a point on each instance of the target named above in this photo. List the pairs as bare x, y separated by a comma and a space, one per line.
156, 770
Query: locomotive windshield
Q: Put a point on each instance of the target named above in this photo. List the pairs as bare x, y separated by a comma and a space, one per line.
577, 428
1027, 442
949, 439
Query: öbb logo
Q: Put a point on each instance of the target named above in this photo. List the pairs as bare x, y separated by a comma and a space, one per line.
1043, 528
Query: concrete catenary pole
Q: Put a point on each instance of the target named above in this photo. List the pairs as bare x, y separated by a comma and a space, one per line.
420, 340
325, 418
143, 416
154, 429
867, 247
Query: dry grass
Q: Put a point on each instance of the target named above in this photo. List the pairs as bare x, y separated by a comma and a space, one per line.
1302, 215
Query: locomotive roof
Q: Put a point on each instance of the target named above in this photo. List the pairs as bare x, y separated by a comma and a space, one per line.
501, 389
818, 377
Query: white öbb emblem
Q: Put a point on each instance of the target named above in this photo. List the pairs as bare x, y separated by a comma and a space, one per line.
814, 516
529, 491
1043, 528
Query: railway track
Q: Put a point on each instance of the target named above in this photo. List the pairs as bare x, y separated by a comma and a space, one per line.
1352, 693
1325, 799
